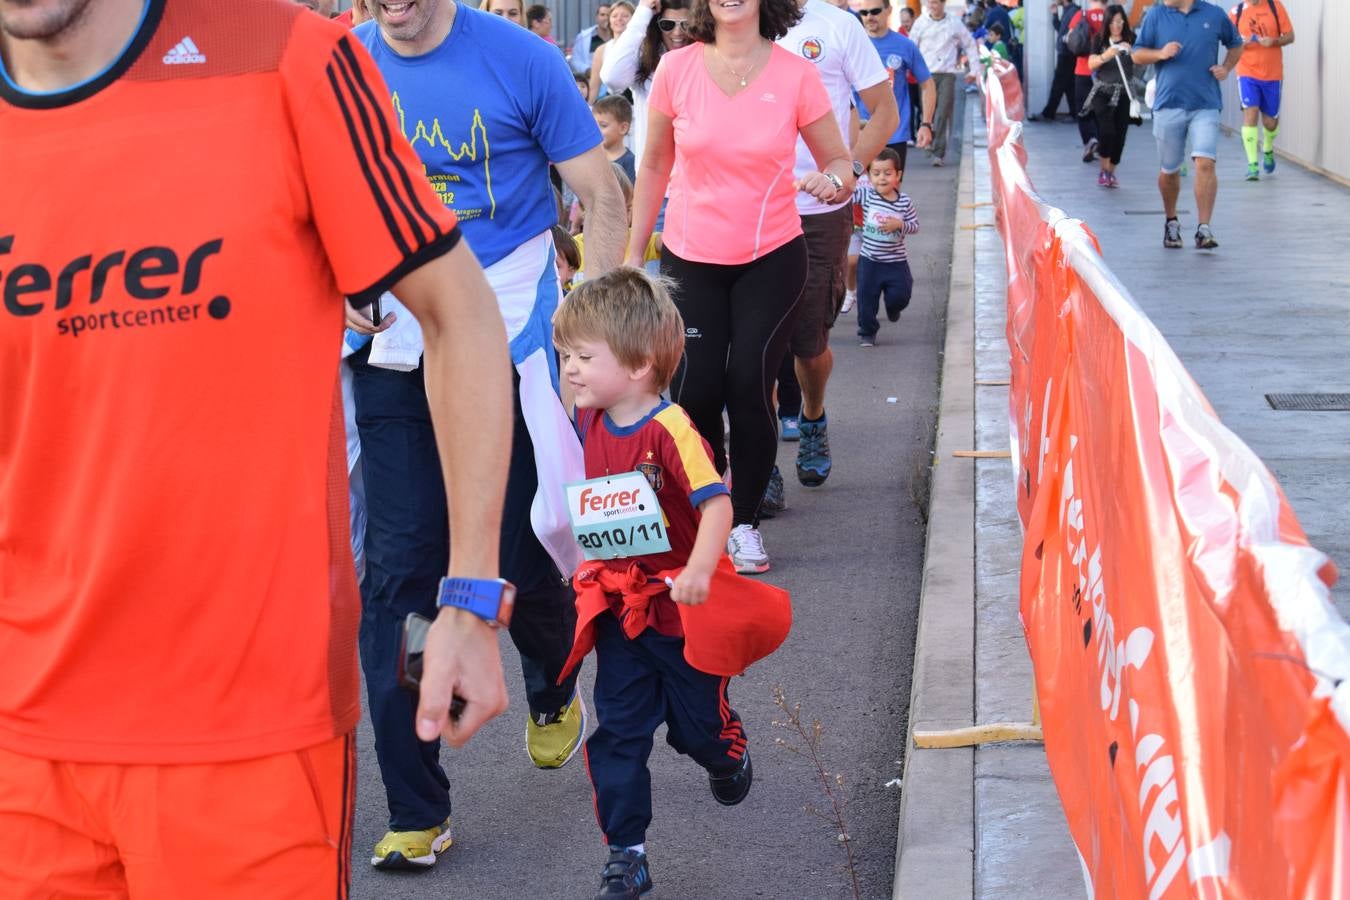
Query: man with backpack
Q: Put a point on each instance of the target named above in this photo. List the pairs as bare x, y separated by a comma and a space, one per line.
1265, 30
1083, 29
1061, 85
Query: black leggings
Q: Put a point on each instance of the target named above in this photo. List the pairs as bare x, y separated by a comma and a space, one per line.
1112, 124
737, 322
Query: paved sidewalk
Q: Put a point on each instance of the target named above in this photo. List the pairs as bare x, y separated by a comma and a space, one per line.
1268, 312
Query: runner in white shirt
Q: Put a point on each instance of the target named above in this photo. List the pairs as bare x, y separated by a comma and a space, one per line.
835, 41
941, 39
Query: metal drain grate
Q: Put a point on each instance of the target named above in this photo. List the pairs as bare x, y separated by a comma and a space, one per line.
1310, 402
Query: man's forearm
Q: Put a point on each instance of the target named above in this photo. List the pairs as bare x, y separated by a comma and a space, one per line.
1145, 56
606, 230
468, 379
885, 118
928, 100
1234, 54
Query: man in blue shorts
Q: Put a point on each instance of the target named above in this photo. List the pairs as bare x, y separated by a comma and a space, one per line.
1182, 37
1265, 30
487, 106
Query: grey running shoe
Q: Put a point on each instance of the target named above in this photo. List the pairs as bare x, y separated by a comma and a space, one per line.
745, 546
813, 453
1172, 234
1204, 238
774, 500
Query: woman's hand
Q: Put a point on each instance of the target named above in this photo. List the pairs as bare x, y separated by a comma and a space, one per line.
820, 186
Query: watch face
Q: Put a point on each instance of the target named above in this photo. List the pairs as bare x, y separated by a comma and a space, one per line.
857, 168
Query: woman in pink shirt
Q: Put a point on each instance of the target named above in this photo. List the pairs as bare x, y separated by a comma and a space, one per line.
725, 112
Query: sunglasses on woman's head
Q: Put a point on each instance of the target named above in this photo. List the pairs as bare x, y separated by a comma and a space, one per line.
872, 12
672, 24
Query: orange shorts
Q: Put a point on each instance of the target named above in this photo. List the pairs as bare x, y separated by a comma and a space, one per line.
274, 827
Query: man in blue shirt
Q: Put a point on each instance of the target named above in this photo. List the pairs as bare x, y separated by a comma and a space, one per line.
487, 106
1182, 37
900, 56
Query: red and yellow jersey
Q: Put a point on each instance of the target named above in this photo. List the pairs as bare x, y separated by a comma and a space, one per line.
1258, 21
176, 235
666, 448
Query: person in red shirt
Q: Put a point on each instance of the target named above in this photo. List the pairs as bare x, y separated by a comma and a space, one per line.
178, 605
621, 338
1095, 13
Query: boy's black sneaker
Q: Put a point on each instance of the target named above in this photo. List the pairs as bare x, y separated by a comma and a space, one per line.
625, 876
731, 788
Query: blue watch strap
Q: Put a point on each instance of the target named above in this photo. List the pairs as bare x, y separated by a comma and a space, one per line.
480, 596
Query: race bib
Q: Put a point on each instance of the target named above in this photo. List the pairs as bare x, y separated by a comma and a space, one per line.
616, 516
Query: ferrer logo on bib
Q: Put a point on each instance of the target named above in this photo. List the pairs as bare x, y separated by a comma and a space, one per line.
617, 516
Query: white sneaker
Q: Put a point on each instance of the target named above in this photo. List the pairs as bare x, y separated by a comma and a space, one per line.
850, 298
745, 546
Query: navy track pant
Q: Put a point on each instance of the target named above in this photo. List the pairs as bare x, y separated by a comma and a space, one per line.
638, 685
407, 552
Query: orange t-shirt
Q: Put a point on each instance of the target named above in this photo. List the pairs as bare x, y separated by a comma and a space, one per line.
176, 235
1264, 63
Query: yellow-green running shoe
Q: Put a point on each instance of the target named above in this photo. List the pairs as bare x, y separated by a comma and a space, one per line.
411, 849
552, 740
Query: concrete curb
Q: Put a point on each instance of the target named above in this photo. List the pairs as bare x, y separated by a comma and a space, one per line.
935, 845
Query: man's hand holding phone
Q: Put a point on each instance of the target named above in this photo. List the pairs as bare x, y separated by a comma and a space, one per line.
461, 664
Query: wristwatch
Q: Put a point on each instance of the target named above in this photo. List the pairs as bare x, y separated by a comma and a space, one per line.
858, 168
928, 125
490, 599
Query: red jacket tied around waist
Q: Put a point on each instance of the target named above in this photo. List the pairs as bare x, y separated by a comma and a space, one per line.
740, 623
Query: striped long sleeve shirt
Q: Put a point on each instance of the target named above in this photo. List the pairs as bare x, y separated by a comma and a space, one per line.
878, 245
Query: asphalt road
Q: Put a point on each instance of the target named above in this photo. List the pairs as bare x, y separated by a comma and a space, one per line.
851, 554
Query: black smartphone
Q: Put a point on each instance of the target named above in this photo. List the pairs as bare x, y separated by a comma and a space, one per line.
414, 644
375, 314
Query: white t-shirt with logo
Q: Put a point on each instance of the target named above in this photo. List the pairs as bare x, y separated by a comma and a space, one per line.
837, 43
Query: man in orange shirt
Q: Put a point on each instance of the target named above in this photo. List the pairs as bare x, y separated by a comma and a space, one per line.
1266, 30
186, 201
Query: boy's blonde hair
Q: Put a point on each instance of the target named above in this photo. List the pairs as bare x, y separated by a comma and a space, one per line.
632, 313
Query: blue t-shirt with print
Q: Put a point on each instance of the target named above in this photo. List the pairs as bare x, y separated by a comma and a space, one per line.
900, 56
487, 111
1184, 81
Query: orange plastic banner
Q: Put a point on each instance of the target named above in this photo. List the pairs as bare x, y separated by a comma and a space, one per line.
1190, 666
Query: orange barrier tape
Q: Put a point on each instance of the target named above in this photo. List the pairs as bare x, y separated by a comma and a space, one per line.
1190, 666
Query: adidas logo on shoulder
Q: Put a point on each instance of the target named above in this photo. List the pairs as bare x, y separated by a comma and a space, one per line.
184, 53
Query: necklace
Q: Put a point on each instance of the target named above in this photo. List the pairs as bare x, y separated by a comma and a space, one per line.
743, 76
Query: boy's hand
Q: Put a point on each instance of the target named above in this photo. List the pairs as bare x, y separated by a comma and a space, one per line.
891, 224
690, 587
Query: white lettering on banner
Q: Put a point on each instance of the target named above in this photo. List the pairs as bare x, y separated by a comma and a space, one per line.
1158, 795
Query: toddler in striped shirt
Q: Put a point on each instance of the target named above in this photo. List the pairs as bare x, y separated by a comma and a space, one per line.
883, 268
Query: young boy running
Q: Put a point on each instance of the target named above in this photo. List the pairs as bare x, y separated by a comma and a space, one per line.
653, 517
883, 268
